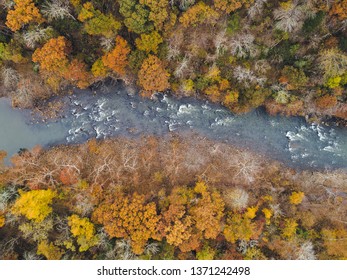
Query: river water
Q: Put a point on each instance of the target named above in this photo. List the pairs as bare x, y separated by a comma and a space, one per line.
118, 111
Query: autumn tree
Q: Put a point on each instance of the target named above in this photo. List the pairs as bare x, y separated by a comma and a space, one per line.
49, 250
117, 59
136, 16
76, 72
339, 9
52, 57
229, 6
149, 42
208, 212
326, 101
99, 70
84, 231
34, 205
24, 12
153, 76
129, 217
199, 14
238, 227
158, 11
97, 23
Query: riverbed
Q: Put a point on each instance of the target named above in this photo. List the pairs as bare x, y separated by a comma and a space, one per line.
118, 111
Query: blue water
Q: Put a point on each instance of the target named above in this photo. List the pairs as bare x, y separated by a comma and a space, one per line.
120, 112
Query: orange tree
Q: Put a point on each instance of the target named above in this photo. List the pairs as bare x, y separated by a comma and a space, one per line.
129, 217
52, 57
117, 59
152, 75
24, 12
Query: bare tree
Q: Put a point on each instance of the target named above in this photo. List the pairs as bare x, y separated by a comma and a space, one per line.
10, 77
256, 9
107, 43
7, 4
34, 36
242, 45
306, 251
290, 16
181, 68
57, 9
247, 77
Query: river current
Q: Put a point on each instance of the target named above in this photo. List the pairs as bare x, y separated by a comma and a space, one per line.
119, 111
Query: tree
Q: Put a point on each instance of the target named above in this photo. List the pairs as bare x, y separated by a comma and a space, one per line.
149, 42
99, 70
326, 101
289, 16
229, 6
295, 78
117, 59
58, 9
152, 75
238, 227
84, 230
129, 217
24, 12
49, 250
136, 16
159, 11
339, 9
199, 14
296, 198
77, 73
35, 204
52, 57
208, 211
332, 62
97, 23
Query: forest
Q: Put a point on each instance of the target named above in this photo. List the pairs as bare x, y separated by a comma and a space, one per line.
167, 198
177, 196
289, 56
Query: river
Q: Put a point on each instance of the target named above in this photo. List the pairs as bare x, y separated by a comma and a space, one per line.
118, 111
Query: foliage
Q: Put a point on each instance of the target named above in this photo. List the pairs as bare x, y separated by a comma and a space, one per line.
238, 227
152, 75
50, 251
229, 6
130, 218
24, 12
84, 230
35, 204
199, 14
296, 198
289, 229
52, 57
136, 16
149, 42
117, 59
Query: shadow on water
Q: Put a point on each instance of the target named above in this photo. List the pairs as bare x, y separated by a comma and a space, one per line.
115, 110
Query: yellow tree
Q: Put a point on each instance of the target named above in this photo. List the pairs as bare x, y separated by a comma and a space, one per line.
129, 217
159, 11
199, 14
238, 227
34, 205
84, 231
149, 42
24, 12
153, 76
229, 6
117, 59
